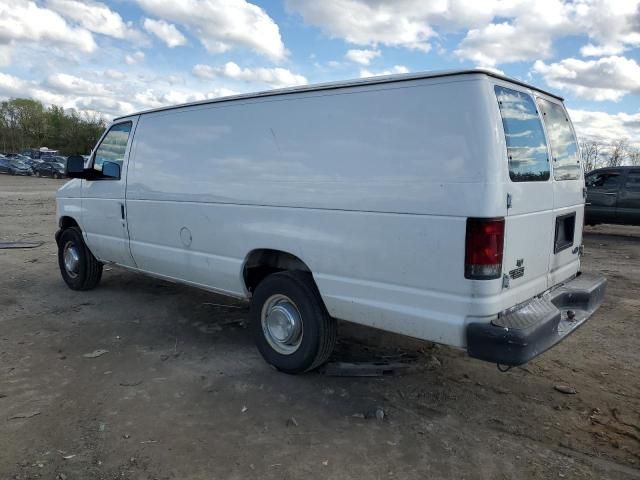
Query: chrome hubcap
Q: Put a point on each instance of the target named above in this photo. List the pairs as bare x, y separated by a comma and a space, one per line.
282, 324
71, 259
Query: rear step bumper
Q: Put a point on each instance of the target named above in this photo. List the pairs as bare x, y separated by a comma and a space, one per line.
518, 336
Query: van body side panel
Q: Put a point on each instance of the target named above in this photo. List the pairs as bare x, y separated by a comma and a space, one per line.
370, 187
395, 149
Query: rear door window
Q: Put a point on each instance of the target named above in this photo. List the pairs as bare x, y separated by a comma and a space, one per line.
566, 161
526, 144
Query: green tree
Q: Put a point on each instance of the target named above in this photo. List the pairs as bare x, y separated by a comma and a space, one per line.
26, 123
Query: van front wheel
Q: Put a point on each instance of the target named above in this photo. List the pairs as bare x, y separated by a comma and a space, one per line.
291, 326
79, 268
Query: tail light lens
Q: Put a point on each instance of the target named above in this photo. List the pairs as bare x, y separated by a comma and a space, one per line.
483, 250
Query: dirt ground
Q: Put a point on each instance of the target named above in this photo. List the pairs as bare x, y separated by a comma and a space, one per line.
183, 394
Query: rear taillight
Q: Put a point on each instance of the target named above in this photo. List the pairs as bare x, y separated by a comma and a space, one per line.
483, 249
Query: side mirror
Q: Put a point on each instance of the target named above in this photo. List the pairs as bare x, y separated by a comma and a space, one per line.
75, 167
111, 170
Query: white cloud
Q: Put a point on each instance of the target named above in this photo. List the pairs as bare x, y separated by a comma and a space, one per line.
133, 58
591, 50
96, 17
526, 31
153, 98
167, 32
22, 21
497, 31
5, 55
114, 74
391, 71
10, 85
614, 25
106, 96
275, 77
363, 57
65, 83
223, 24
608, 78
503, 43
399, 23
102, 105
606, 127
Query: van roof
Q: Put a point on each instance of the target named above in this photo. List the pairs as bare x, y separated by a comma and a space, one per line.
403, 77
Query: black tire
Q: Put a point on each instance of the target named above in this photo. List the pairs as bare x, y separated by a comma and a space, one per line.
319, 330
89, 271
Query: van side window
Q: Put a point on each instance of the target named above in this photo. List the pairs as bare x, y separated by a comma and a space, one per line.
633, 181
526, 145
603, 180
113, 146
566, 161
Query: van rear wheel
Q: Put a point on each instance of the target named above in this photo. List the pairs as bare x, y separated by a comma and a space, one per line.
79, 268
291, 326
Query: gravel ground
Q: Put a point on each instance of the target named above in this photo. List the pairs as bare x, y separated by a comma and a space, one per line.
182, 393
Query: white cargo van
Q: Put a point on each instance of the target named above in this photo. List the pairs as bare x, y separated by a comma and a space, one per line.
445, 206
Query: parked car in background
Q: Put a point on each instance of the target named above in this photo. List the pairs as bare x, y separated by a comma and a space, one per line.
613, 196
43, 153
23, 158
4, 164
57, 158
18, 167
50, 169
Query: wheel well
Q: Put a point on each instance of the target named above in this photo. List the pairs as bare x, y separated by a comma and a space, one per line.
263, 262
67, 222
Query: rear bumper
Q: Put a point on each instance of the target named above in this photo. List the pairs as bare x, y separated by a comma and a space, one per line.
522, 334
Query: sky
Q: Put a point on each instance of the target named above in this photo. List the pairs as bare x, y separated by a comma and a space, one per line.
120, 56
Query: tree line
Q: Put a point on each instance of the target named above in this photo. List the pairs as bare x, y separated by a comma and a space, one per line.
598, 154
27, 123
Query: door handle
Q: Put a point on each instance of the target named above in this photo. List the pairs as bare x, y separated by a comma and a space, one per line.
122, 211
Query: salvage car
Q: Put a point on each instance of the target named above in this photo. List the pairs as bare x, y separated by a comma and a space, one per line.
19, 167
50, 169
445, 206
4, 164
613, 196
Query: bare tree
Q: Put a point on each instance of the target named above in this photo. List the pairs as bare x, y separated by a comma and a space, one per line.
591, 152
618, 153
634, 156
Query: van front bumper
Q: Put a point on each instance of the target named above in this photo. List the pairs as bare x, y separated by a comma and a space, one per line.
524, 333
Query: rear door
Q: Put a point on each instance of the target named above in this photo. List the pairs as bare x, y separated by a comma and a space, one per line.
628, 208
529, 195
568, 191
602, 196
